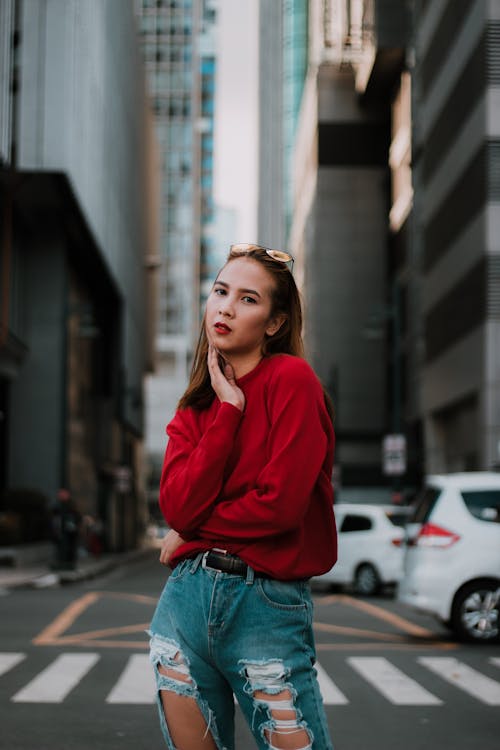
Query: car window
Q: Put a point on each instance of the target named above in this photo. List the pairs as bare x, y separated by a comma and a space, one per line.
354, 522
483, 504
424, 503
398, 519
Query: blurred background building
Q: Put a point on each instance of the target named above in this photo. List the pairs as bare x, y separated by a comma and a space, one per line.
395, 202
457, 181
350, 219
283, 60
178, 46
79, 243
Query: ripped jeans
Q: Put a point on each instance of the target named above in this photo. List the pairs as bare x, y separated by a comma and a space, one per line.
251, 639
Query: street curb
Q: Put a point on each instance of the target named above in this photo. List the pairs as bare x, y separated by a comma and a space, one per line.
86, 571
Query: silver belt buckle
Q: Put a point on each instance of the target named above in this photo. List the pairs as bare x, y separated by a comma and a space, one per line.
206, 554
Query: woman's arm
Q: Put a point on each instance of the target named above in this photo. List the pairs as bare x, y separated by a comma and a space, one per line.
193, 469
300, 436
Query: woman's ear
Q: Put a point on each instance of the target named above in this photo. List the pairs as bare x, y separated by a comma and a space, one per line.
275, 324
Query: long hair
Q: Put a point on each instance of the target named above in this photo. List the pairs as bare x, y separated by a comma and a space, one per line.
285, 300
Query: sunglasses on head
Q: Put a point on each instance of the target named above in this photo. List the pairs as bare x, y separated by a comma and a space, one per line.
280, 255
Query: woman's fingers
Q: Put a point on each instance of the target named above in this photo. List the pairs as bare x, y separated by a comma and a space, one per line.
170, 543
224, 383
229, 373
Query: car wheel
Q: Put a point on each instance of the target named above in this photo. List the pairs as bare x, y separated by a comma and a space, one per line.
366, 580
475, 615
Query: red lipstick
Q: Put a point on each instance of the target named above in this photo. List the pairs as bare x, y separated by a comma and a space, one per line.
222, 328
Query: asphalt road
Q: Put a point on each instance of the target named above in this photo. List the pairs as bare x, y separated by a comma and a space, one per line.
74, 672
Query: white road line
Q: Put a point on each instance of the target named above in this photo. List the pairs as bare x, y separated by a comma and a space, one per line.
332, 696
136, 683
8, 661
476, 684
397, 687
54, 683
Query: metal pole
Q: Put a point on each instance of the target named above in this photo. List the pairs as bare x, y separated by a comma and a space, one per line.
396, 376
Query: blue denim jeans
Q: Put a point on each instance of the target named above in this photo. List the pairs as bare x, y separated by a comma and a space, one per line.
228, 636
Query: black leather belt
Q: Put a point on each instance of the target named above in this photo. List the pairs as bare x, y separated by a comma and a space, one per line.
222, 561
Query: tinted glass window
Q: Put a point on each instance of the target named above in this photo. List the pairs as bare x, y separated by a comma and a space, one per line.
483, 504
398, 519
356, 523
424, 503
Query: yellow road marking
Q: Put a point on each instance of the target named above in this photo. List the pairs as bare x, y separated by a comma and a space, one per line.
56, 633
359, 632
65, 620
133, 645
92, 635
53, 634
379, 613
444, 646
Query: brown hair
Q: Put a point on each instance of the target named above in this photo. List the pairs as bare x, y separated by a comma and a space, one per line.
285, 300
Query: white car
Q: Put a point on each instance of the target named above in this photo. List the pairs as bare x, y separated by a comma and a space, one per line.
452, 554
370, 539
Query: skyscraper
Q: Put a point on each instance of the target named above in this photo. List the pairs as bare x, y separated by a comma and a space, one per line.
179, 53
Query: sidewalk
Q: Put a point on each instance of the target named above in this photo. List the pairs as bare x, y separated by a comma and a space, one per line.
40, 575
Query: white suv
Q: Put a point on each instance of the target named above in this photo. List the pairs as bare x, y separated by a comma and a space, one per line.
370, 552
452, 556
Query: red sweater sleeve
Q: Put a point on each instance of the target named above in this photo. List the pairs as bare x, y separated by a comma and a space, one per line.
193, 468
297, 448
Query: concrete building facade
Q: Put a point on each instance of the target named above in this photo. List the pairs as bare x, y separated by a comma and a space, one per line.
340, 230
457, 176
78, 233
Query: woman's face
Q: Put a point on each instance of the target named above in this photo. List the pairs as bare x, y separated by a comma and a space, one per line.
238, 311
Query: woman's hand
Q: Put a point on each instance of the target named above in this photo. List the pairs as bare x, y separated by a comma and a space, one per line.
224, 382
170, 543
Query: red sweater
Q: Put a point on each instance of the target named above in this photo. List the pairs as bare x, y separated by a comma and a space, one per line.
256, 483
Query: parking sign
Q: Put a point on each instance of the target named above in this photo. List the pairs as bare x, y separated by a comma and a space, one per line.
394, 455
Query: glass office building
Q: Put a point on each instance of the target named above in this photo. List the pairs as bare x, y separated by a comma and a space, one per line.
169, 31
283, 60
178, 46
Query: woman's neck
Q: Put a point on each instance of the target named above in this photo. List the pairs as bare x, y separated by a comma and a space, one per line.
243, 365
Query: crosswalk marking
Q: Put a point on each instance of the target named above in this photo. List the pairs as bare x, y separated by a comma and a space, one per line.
397, 687
54, 683
330, 693
464, 677
136, 683
8, 661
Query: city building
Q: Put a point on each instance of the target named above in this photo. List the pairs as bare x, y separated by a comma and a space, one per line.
211, 253
178, 46
78, 236
340, 231
457, 232
395, 231
283, 48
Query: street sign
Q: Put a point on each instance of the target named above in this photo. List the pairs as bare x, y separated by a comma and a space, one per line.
394, 455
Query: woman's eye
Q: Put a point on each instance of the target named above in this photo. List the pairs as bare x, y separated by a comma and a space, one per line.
249, 299
219, 291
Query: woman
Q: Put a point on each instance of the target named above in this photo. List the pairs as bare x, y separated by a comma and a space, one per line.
246, 489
